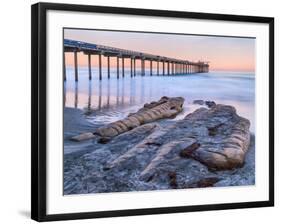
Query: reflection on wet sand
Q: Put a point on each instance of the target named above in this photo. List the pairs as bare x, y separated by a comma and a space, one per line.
122, 98
103, 95
89, 96
100, 94
117, 95
132, 91
108, 95
113, 98
76, 95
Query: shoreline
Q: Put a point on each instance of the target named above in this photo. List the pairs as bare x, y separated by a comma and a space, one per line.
124, 94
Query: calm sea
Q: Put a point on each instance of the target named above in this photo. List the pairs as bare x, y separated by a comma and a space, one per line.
112, 99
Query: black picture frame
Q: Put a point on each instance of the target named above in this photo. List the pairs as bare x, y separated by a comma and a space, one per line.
39, 108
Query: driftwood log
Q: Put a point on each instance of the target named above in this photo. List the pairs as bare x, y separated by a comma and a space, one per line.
165, 108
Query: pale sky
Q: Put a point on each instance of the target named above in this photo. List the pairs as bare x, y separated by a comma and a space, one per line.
223, 53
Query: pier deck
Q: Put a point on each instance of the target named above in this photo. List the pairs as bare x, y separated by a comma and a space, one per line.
174, 66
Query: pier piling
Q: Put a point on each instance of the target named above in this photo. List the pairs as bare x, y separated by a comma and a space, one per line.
157, 67
89, 67
75, 66
117, 62
123, 72
108, 67
143, 67
168, 68
134, 67
100, 71
131, 67
150, 67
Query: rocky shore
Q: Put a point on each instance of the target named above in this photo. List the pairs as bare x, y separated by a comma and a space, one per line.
148, 150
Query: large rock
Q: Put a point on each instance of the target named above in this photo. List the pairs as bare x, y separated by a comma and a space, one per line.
216, 137
223, 137
165, 108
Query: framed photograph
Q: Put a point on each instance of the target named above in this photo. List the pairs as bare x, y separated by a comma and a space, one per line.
139, 111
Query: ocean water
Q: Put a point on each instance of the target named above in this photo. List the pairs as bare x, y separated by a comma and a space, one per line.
112, 99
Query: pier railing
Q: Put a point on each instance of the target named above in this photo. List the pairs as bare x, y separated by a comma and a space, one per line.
174, 66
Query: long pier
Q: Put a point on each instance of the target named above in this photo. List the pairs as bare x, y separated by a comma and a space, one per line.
170, 66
